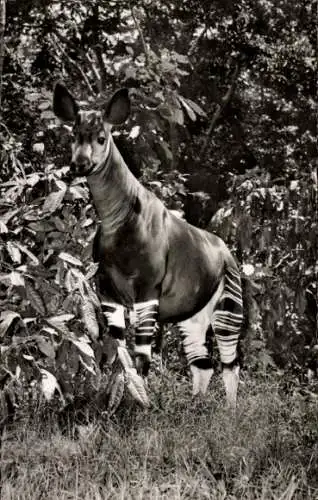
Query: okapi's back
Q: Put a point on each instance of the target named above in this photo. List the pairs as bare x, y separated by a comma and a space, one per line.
195, 265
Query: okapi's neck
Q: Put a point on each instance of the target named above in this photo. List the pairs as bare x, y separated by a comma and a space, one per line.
114, 190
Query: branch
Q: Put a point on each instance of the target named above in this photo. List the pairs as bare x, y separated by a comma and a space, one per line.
73, 63
143, 43
220, 108
97, 49
103, 73
2, 28
279, 263
197, 41
5, 127
95, 71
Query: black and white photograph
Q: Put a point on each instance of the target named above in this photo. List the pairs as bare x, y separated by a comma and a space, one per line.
158, 250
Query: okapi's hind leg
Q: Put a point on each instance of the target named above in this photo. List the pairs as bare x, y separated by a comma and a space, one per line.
193, 332
231, 380
226, 322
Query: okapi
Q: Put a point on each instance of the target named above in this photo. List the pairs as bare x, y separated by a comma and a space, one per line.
150, 260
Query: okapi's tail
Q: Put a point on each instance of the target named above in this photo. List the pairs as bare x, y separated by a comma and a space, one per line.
248, 290
227, 316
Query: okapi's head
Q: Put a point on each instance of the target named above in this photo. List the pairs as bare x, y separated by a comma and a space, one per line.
91, 129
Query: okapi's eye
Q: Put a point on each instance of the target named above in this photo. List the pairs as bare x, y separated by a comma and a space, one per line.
101, 140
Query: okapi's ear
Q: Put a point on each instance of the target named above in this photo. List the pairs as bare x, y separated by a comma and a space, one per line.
118, 108
64, 104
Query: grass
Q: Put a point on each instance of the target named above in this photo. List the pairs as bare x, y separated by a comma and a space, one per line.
178, 449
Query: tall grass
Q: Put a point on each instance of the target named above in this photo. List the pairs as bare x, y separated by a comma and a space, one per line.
178, 449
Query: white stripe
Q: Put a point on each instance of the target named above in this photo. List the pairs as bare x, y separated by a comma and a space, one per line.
150, 327
227, 316
146, 312
230, 338
117, 317
141, 305
218, 322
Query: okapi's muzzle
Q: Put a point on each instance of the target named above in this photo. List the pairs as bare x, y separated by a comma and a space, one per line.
81, 163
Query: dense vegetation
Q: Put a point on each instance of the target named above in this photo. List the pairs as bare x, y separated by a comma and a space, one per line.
223, 128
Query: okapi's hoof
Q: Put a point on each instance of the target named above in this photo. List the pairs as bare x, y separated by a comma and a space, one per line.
142, 364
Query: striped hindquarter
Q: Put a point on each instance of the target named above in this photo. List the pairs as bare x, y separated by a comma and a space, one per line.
227, 316
224, 312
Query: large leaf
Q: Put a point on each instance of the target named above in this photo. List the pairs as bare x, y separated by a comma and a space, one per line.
59, 323
14, 252
6, 320
196, 108
17, 279
78, 193
46, 347
167, 151
124, 356
35, 299
3, 227
84, 347
70, 282
136, 387
7, 216
54, 200
110, 347
89, 317
188, 108
91, 270
49, 385
117, 388
70, 259
88, 363
178, 116
25, 250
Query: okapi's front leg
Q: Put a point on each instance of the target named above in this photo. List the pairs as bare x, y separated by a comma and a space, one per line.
115, 316
146, 316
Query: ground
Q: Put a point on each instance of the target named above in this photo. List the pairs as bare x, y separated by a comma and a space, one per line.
177, 449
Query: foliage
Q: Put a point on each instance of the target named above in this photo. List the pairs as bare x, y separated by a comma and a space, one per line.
47, 300
275, 235
45, 292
